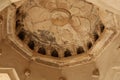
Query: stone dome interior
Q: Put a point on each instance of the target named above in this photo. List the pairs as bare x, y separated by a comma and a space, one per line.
59, 29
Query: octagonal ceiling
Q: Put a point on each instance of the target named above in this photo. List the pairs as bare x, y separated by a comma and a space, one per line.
64, 30
59, 32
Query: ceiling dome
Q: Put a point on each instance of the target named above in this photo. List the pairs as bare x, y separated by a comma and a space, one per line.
64, 37
56, 32
66, 27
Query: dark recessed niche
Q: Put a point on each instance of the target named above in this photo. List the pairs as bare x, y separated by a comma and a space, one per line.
19, 24
89, 45
42, 51
31, 45
80, 50
62, 78
1, 19
21, 35
96, 36
96, 72
102, 27
54, 53
17, 12
67, 53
